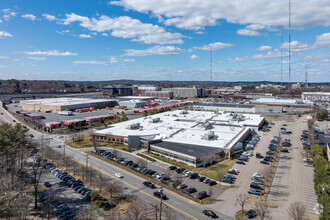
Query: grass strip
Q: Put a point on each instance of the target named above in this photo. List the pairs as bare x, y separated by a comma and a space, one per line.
146, 157
135, 172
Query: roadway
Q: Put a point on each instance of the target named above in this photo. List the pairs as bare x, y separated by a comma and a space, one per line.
184, 208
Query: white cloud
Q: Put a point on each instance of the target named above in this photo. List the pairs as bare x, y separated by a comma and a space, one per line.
192, 57
264, 48
239, 59
214, 46
127, 28
155, 50
3, 66
105, 34
1, 21
297, 46
4, 34
195, 15
114, 59
8, 13
3, 57
49, 17
255, 26
37, 58
248, 32
85, 36
51, 53
323, 40
29, 17
90, 62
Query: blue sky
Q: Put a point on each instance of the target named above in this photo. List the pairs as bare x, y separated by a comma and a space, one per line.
164, 40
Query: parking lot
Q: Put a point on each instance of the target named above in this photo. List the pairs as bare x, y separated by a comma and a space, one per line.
293, 181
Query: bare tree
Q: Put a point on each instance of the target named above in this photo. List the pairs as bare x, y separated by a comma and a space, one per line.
169, 213
210, 191
96, 144
262, 210
204, 159
241, 201
37, 171
297, 211
138, 210
114, 187
100, 181
213, 158
220, 174
142, 162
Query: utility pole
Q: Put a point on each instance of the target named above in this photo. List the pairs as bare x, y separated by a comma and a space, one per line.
289, 44
306, 79
65, 157
211, 70
161, 202
86, 165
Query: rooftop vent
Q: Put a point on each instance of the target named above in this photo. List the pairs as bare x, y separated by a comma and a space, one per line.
207, 125
208, 135
134, 126
155, 120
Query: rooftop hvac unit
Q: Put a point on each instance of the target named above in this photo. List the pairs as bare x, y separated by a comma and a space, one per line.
133, 126
184, 112
208, 135
207, 125
155, 120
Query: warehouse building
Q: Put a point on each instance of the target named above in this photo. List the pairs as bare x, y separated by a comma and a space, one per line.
132, 103
114, 91
186, 92
159, 94
285, 103
316, 96
64, 104
237, 108
185, 136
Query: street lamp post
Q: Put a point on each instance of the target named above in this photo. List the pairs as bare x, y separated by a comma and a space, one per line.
161, 202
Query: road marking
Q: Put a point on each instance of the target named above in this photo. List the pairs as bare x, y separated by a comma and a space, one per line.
105, 173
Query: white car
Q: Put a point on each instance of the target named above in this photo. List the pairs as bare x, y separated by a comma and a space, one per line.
119, 175
247, 153
257, 175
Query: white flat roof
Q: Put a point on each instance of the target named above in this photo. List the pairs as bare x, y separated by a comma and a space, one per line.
188, 128
63, 101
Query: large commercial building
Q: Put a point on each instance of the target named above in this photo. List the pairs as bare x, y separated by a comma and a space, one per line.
64, 104
185, 136
316, 96
117, 90
236, 108
286, 103
159, 94
186, 92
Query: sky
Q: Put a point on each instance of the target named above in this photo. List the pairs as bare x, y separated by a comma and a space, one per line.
179, 40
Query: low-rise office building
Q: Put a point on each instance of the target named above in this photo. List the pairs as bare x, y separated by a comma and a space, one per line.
186, 92
117, 91
316, 96
185, 136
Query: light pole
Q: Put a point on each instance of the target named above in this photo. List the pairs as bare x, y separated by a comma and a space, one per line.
161, 202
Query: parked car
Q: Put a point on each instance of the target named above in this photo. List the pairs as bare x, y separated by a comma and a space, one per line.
269, 152
201, 178
258, 155
182, 186
191, 190
251, 214
240, 162
227, 180
173, 167
210, 213
233, 171
254, 192
285, 157
212, 183
201, 195
47, 184
256, 186
264, 162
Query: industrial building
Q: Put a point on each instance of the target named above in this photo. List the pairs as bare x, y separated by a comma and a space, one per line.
114, 91
286, 103
236, 108
316, 96
186, 92
185, 136
64, 104
140, 90
132, 103
159, 94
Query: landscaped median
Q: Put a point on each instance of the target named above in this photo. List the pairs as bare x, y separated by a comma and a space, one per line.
135, 172
211, 172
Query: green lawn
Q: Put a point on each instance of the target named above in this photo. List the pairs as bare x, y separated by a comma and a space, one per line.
87, 143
